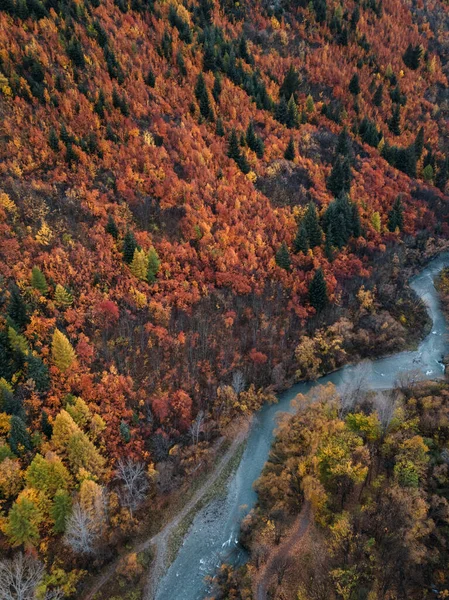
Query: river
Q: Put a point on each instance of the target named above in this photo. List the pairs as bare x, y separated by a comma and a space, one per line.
213, 537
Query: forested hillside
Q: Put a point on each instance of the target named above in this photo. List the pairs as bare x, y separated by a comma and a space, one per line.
200, 202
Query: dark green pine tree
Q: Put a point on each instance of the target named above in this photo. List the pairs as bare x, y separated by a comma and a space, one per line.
151, 78
292, 114
442, 176
19, 439
251, 138
312, 226
301, 243
37, 370
283, 257
38, 281
318, 291
17, 309
378, 95
260, 148
219, 129
53, 140
12, 404
344, 145
290, 84
419, 143
129, 246
111, 227
216, 90
354, 85
339, 181
394, 124
290, 151
209, 57
396, 215
328, 250
46, 426
281, 111
202, 97
234, 146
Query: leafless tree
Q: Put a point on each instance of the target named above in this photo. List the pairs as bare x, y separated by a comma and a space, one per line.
80, 532
195, 428
19, 577
352, 389
281, 564
134, 481
238, 382
385, 405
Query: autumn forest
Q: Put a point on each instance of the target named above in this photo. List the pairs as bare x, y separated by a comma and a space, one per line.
203, 202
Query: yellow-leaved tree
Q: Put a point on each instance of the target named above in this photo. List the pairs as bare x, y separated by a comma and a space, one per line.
62, 353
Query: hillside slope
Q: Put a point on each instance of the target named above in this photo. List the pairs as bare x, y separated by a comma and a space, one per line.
188, 192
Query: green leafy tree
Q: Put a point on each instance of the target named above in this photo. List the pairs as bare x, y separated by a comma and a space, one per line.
378, 95
290, 85
283, 257
419, 143
312, 226
150, 78
339, 180
24, 519
60, 510
318, 291
396, 215
38, 281
354, 85
301, 243
290, 151
292, 114
394, 124
111, 227
202, 96
129, 246
154, 264
17, 309
19, 439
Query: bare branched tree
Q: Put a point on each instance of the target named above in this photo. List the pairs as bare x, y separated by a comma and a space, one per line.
19, 577
134, 481
80, 531
196, 426
385, 404
351, 390
238, 382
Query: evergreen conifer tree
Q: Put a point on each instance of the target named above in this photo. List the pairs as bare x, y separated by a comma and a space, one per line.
283, 257
111, 227
318, 291
339, 181
396, 215
19, 439
394, 124
151, 78
154, 265
301, 243
281, 111
312, 226
354, 85
38, 281
292, 114
290, 84
202, 96
419, 143
219, 129
17, 310
290, 151
129, 246
378, 95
